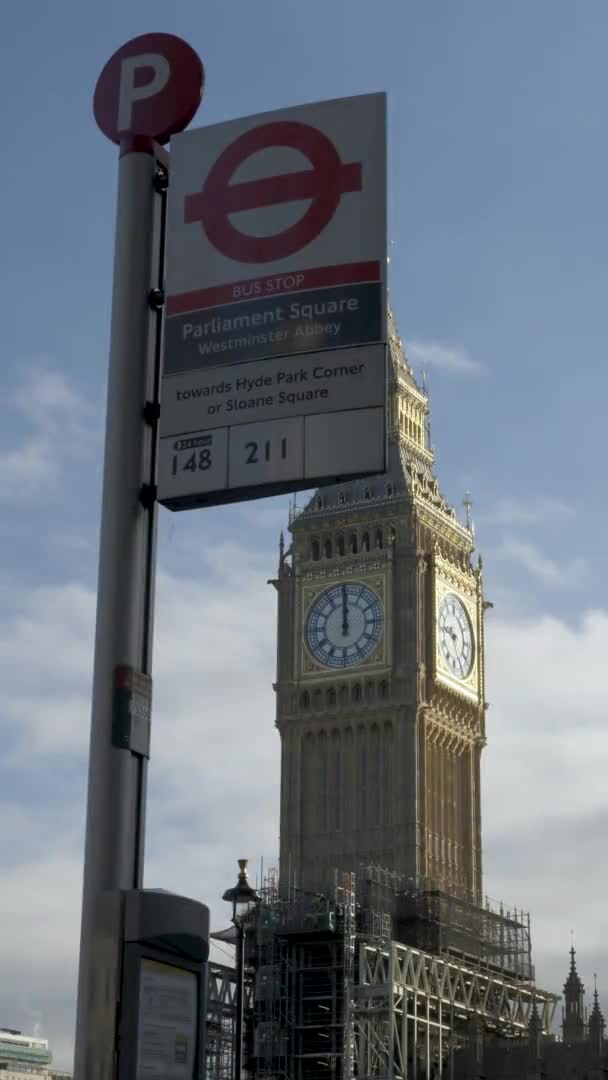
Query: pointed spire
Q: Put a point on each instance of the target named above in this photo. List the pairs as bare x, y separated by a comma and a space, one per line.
573, 1025
596, 1023
467, 502
535, 1032
573, 981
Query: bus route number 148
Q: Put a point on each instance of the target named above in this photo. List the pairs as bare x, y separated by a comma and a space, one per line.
198, 461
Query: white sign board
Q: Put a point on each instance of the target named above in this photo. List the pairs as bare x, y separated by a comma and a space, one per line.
275, 320
168, 1003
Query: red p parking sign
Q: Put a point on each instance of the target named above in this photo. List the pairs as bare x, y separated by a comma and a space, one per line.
151, 86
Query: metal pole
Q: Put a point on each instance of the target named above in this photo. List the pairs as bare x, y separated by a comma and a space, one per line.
115, 827
240, 1002
451, 1035
415, 1062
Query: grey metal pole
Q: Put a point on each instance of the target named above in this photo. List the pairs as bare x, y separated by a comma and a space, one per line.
240, 1002
115, 826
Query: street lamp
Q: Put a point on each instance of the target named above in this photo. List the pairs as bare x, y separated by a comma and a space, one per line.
243, 899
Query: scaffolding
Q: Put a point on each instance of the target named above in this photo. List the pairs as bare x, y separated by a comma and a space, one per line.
416, 912
220, 1014
305, 969
413, 1010
340, 991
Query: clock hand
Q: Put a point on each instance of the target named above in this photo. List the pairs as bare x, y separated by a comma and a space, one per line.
345, 627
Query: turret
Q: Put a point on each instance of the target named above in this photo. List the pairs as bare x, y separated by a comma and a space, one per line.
573, 1016
535, 1036
596, 1025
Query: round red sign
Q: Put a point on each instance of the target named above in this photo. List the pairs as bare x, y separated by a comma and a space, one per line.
324, 184
152, 86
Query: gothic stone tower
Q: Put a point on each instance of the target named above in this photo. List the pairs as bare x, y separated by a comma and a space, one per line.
380, 688
573, 1019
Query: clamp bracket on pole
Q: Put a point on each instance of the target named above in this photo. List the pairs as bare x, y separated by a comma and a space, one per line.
147, 495
161, 180
156, 299
151, 412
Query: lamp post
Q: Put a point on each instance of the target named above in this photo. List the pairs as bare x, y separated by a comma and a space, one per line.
243, 899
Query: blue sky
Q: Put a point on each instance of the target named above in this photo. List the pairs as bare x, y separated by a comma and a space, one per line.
498, 168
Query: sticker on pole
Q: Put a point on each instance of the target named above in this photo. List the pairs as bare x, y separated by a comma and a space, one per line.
276, 252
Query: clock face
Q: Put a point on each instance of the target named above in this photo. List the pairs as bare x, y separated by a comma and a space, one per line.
344, 625
455, 636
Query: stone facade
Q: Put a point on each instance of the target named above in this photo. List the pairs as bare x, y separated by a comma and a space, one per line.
381, 709
381, 758
579, 1053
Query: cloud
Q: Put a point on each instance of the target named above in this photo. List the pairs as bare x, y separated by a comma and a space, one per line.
62, 427
540, 566
214, 769
544, 795
45, 669
519, 510
452, 359
40, 921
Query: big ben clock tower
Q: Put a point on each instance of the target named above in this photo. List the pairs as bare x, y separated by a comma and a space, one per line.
380, 685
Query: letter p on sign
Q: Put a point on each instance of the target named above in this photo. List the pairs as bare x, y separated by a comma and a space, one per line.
151, 87
130, 92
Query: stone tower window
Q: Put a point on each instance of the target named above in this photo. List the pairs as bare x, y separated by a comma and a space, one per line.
356, 692
340, 544
315, 550
328, 549
378, 539
365, 542
353, 544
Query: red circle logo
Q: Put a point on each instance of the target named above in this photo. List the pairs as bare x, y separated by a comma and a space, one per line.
152, 86
324, 184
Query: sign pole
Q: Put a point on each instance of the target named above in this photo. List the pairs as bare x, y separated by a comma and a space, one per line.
149, 89
115, 825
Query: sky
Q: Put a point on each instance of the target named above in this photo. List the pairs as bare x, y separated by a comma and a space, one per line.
498, 169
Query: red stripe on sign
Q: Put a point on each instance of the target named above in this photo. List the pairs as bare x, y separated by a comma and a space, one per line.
252, 194
273, 285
